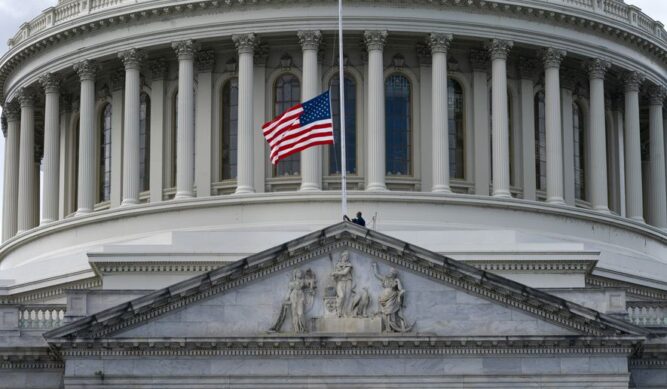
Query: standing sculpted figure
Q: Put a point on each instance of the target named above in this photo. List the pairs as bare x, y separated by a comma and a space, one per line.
342, 275
298, 302
391, 301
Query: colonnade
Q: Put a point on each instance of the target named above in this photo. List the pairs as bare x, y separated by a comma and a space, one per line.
20, 185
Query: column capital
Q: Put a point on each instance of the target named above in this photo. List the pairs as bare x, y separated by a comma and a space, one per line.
657, 94
552, 57
375, 39
479, 60
117, 80
439, 42
632, 81
12, 111
50, 82
185, 49
309, 40
245, 43
597, 68
158, 69
26, 98
499, 48
132, 58
205, 60
86, 69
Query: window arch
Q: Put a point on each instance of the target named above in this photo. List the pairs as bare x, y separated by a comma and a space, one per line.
578, 125
104, 172
456, 128
398, 124
350, 125
540, 143
144, 141
286, 94
229, 121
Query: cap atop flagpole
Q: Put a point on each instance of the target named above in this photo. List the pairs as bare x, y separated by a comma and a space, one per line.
341, 100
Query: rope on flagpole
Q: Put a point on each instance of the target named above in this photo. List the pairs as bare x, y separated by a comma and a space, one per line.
341, 85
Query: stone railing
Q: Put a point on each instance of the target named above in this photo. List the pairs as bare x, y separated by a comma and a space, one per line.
41, 317
647, 314
67, 10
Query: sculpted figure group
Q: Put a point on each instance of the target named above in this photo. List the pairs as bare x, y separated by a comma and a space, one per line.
343, 299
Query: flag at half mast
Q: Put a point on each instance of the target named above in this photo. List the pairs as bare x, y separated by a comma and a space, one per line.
304, 125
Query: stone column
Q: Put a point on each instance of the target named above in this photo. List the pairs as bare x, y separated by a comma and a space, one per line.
598, 151
87, 149
377, 169
439, 44
205, 62
131, 138
554, 136
158, 73
479, 61
499, 50
527, 72
633, 158
12, 112
245, 44
26, 212
311, 159
185, 127
657, 189
567, 101
51, 85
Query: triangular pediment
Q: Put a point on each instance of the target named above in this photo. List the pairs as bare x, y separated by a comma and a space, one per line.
384, 287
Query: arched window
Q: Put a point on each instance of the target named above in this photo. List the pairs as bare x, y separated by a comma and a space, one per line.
456, 129
144, 141
540, 143
230, 121
579, 153
287, 93
350, 126
104, 177
398, 125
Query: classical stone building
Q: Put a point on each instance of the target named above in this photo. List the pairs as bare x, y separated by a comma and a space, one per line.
509, 158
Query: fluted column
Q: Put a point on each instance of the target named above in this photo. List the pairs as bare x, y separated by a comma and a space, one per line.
499, 51
633, 157
185, 127
554, 137
157, 164
439, 44
375, 41
12, 112
311, 158
87, 166
479, 61
51, 85
527, 72
26, 212
657, 190
598, 153
245, 44
567, 82
131, 138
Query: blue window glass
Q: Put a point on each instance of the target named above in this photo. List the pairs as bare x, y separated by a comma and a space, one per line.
398, 123
350, 126
144, 141
456, 129
579, 153
540, 143
287, 93
230, 121
105, 155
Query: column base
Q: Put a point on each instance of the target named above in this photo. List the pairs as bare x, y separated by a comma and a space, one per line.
444, 189
44, 222
244, 190
638, 219
310, 187
556, 201
129, 202
83, 211
183, 195
376, 188
602, 209
502, 193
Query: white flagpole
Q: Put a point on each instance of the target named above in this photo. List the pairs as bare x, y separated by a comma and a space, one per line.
341, 95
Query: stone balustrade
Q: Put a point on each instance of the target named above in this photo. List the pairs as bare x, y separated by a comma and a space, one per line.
629, 16
647, 314
41, 317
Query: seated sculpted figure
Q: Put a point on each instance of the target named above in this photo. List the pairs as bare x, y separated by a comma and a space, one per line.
391, 301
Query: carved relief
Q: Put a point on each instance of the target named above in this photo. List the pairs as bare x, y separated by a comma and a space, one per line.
132, 58
597, 68
299, 300
391, 301
86, 69
375, 40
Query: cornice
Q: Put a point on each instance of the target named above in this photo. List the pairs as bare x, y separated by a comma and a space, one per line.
540, 266
634, 289
50, 291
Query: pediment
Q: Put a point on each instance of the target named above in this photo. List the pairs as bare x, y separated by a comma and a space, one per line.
307, 288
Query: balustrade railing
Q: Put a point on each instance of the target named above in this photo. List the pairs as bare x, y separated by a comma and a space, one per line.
647, 314
67, 10
41, 317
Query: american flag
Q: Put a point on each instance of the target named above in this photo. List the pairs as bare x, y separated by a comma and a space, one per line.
300, 127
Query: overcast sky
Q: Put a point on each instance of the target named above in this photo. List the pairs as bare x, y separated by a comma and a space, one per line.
13, 13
